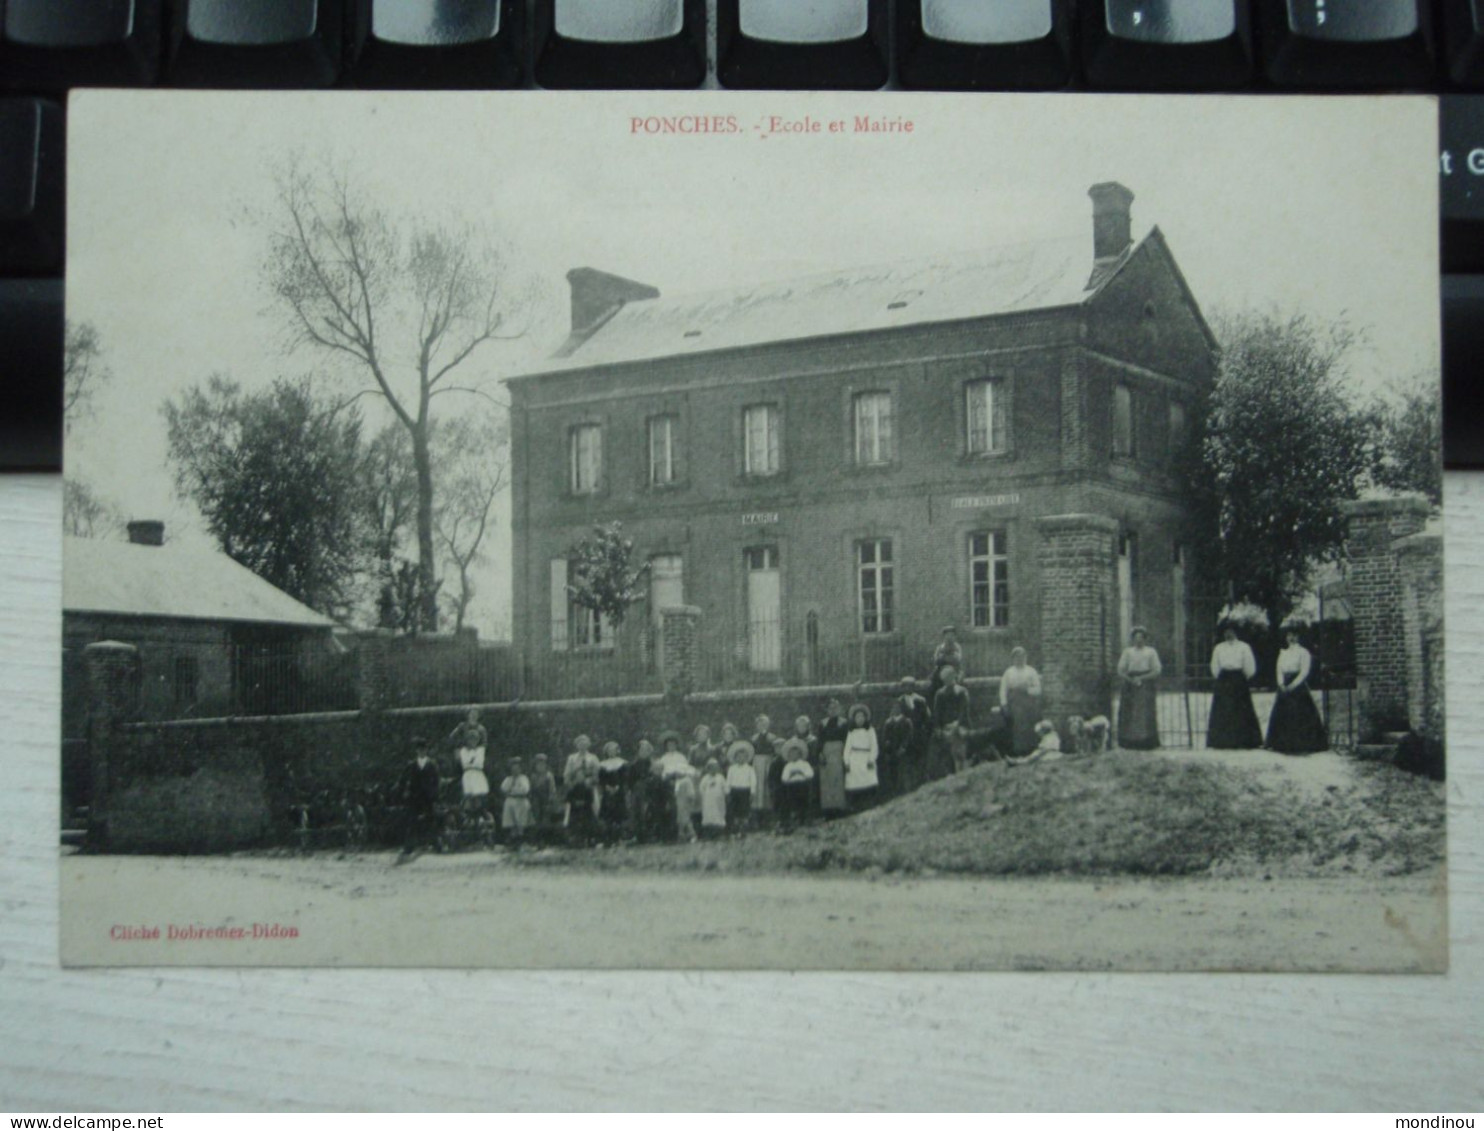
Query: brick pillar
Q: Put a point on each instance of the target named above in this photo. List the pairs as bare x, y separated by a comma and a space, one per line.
680, 660
113, 700
1420, 561
373, 678
1375, 586
1078, 604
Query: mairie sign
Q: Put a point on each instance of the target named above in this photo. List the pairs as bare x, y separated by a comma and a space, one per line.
976, 502
759, 518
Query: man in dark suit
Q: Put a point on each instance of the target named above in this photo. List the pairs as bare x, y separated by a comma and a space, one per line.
916, 709
418, 790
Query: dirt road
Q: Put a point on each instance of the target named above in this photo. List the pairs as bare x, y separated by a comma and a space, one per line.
477, 910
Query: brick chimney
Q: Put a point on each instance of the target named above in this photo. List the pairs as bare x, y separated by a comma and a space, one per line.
147, 532
597, 296
1112, 225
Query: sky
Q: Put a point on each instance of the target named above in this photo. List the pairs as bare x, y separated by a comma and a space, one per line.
1321, 205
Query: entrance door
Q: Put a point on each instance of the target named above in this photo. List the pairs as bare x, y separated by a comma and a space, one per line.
666, 591
764, 610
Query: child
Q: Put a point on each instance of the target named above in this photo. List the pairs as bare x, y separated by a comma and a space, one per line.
546, 813
702, 749
418, 791
741, 786
896, 751
713, 795
515, 816
580, 782
795, 784
613, 774
471, 738
672, 768
861, 754
764, 761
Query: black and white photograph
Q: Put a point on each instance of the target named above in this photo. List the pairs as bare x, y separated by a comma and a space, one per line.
762, 532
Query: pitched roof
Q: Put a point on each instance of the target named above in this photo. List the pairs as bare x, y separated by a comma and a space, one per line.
1015, 278
173, 581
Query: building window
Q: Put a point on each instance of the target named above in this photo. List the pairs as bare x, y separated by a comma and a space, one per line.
186, 675
875, 441
1177, 429
760, 439
574, 626
984, 414
875, 586
989, 580
1123, 421
586, 458
662, 438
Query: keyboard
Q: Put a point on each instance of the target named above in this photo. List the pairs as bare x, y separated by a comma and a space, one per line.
1271, 47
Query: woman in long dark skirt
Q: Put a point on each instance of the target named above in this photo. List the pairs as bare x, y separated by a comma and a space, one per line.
1234, 723
1295, 726
834, 728
1020, 699
1138, 669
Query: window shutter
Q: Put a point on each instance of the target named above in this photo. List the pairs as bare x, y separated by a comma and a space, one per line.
559, 605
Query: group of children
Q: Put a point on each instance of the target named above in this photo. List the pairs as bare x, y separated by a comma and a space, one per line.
730, 785
671, 789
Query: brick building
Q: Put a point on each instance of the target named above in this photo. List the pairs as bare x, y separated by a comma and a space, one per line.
831, 469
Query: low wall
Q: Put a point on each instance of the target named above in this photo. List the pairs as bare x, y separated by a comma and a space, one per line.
215, 784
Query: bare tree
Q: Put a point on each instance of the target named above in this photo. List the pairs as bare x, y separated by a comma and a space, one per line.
405, 303
83, 372
84, 513
472, 456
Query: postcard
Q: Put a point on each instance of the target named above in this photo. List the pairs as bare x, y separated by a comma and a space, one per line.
728, 531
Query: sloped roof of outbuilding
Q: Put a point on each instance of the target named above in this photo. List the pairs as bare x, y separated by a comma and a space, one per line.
1016, 278
101, 576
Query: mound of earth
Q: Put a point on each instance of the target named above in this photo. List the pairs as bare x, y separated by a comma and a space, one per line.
1124, 814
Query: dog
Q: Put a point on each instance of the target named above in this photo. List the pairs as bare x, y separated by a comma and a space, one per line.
1088, 736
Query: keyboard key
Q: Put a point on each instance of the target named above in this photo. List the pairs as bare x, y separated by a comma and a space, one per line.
802, 44
31, 187
1167, 44
620, 44
1348, 44
1461, 188
56, 44
1464, 26
254, 43
974, 45
439, 44
1463, 363
31, 345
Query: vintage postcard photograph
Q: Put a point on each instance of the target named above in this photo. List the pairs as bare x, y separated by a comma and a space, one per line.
727, 531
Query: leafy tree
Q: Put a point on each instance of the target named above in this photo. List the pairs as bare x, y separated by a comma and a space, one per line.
1411, 439
601, 575
406, 303
470, 457
277, 476
1281, 448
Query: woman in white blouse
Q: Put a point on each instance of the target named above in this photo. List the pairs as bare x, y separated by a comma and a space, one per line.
1234, 723
1138, 669
1020, 699
1295, 726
